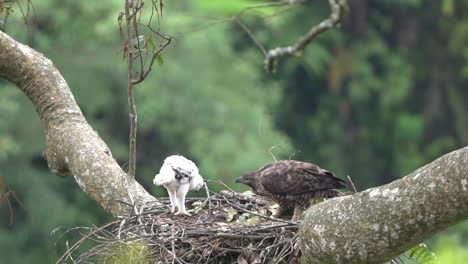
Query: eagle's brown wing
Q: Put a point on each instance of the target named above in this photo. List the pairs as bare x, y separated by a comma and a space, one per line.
290, 177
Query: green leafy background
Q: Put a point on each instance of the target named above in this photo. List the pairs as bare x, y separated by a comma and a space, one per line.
376, 99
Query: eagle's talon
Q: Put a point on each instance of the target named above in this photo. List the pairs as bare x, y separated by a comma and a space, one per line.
182, 213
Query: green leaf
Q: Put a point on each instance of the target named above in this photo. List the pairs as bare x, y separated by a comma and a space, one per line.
151, 44
422, 254
160, 59
253, 220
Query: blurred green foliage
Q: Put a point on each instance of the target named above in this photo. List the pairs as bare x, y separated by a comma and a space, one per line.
450, 249
375, 100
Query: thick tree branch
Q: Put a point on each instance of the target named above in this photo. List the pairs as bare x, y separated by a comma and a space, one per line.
72, 146
379, 224
337, 9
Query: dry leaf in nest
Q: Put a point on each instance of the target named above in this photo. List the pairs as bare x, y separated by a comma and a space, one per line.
253, 220
231, 212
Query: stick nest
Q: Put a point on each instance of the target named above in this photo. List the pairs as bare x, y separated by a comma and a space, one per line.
226, 227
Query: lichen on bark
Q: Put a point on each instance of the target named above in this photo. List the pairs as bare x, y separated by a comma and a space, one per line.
379, 224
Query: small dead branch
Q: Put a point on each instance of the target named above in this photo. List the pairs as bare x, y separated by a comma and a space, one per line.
351, 183
271, 56
221, 232
337, 7
208, 195
138, 49
129, 16
5, 194
7, 8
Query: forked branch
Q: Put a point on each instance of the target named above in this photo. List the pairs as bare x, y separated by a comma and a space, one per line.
138, 49
337, 7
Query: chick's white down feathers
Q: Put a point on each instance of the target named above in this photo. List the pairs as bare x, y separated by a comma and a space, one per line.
178, 175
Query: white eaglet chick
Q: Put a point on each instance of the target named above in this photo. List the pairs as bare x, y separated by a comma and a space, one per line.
178, 175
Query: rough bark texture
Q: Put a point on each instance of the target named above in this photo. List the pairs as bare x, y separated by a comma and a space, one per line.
72, 146
379, 224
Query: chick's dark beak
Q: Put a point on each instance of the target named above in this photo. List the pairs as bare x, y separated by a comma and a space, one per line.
240, 180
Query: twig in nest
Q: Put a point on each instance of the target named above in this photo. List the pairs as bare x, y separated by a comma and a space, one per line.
223, 184
205, 237
208, 195
351, 183
260, 215
243, 197
174, 256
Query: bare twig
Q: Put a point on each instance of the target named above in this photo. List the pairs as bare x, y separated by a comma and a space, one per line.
266, 5
271, 56
251, 35
243, 197
270, 150
130, 88
337, 11
260, 215
351, 183
7, 8
137, 50
174, 256
5, 194
208, 195
67, 254
338, 8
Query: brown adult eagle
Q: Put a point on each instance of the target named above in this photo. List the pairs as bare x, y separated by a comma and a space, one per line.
292, 184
